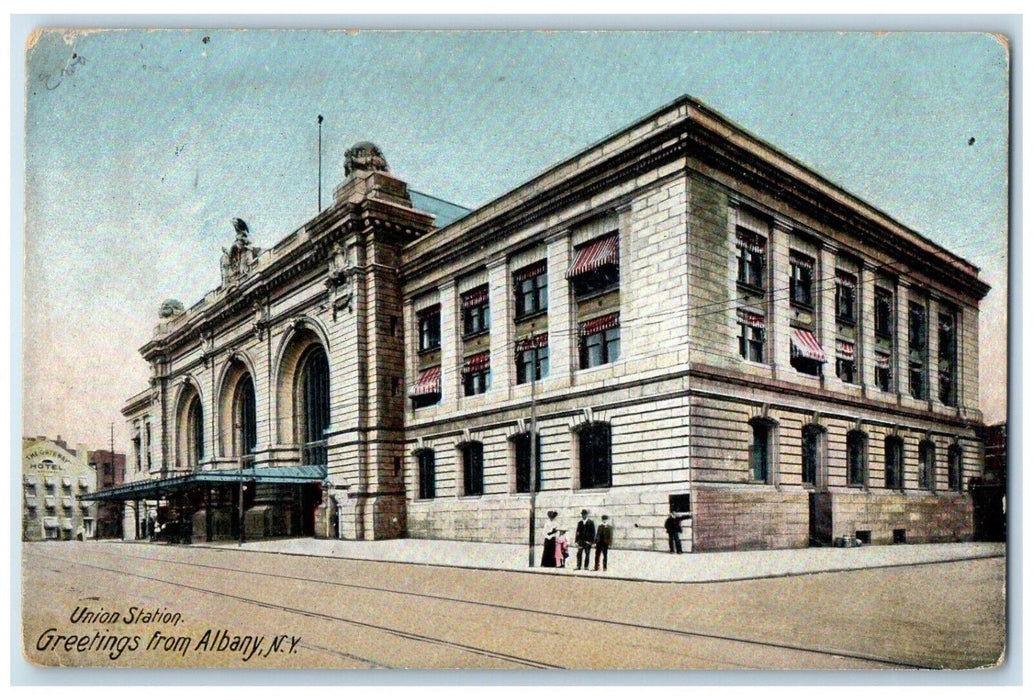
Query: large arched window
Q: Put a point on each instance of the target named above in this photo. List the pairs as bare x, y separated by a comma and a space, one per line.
189, 429
195, 432
954, 467
244, 416
856, 458
894, 461
314, 402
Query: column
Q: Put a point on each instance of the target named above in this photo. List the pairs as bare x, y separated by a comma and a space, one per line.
500, 302
409, 333
866, 326
932, 358
900, 337
450, 391
825, 306
777, 334
562, 326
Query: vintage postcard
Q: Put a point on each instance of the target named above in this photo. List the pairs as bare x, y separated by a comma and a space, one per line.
514, 350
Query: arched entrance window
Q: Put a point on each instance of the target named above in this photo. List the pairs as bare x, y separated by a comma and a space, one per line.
314, 401
244, 415
195, 432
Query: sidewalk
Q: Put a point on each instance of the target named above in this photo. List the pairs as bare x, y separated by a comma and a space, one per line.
631, 564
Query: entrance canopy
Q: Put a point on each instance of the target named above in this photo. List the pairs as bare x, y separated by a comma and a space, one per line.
159, 488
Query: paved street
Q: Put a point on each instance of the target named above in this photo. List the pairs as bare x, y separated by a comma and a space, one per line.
137, 605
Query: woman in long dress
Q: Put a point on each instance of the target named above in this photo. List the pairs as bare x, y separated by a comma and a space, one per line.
551, 529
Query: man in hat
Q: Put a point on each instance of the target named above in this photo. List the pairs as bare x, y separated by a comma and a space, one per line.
673, 527
584, 536
603, 540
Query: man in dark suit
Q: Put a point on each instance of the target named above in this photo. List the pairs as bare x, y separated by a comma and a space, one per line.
603, 540
584, 537
673, 527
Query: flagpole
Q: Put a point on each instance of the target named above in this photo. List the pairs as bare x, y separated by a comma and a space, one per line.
319, 158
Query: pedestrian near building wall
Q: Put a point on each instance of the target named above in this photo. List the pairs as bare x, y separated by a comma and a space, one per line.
584, 537
673, 527
603, 540
551, 529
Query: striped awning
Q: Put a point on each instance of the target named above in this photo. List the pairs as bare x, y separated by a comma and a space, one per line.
428, 383
50, 501
530, 271
66, 523
801, 262
749, 318
601, 251
475, 297
477, 363
66, 502
49, 522
599, 324
844, 350
748, 240
533, 343
804, 343
882, 360
66, 480
31, 479
50, 481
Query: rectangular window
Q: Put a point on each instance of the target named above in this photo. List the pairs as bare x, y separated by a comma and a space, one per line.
595, 465
477, 374
532, 357
429, 321
947, 356
801, 280
751, 258
522, 447
917, 341
532, 289
427, 477
751, 335
596, 267
883, 313
954, 468
845, 362
600, 340
846, 298
883, 371
473, 469
476, 313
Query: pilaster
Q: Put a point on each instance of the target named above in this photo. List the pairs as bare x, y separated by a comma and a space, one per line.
449, 347
500, 298
778, 299
561, 326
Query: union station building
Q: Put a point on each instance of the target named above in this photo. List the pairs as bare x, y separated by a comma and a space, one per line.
699, 322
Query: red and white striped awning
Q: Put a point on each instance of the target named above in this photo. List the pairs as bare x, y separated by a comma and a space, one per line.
428, 383
750, 241
601, 251
844, 350
845, 279
477, 363
749, 318
533, 343
882, 360
530, 271
807, 345
475, 297
599, 324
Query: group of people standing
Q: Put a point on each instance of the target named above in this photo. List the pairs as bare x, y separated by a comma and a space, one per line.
556, 546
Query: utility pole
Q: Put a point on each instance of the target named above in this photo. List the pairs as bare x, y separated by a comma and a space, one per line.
532, 468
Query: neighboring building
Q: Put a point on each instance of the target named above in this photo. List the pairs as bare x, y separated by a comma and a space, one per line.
54, 478
706, 325
989, 493
111, 471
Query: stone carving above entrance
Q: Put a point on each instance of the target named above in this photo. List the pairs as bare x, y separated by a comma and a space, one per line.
240, 258
340, 278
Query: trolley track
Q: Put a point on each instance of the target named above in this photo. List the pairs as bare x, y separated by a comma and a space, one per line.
490, 606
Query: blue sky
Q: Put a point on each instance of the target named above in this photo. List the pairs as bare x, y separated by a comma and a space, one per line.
143, 147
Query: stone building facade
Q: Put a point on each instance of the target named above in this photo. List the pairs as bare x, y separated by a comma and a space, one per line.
700, 323
54, 476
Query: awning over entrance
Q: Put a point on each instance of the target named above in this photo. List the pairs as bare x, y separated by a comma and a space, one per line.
807, 345
158, 488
